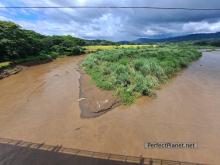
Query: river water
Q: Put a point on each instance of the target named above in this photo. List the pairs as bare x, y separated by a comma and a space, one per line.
40, 104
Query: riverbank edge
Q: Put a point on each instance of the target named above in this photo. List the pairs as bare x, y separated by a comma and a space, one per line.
93, 101
15, 68
9, 71
19, 65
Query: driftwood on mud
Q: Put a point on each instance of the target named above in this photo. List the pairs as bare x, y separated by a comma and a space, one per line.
10, 71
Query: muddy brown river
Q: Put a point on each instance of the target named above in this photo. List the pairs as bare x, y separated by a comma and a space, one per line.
40, 104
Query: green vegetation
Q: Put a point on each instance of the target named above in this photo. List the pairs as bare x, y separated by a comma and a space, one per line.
208, 43
99, 42
4, 65
19, 45
132, 72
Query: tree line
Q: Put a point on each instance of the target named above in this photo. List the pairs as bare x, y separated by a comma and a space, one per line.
17, 44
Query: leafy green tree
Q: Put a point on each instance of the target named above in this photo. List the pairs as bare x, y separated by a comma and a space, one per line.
17, 43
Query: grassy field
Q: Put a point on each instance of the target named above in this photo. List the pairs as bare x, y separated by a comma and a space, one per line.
95, 48
134, 71
4, 64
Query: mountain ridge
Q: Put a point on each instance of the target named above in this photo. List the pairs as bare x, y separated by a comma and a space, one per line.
189, 37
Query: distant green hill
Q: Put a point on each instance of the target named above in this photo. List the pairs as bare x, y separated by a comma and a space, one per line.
190, 37
99, 42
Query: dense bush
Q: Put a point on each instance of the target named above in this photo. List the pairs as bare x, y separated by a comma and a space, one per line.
133, 72
32, 60
17, 43
214, 43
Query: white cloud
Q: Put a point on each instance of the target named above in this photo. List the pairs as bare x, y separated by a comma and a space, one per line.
3, 18
203, 26
116, 24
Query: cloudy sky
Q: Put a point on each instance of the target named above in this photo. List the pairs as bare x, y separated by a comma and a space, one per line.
114, 24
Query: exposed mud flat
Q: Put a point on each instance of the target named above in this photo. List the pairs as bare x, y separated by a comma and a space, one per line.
93, 101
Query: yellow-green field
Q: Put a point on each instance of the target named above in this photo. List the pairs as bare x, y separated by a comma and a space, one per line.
95, 48
4, 64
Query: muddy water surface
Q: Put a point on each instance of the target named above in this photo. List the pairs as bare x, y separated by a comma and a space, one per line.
40, 105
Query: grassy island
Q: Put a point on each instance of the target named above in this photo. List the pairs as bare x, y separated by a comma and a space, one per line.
135, 71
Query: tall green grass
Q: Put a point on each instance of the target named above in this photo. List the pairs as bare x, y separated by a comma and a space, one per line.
132, 72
